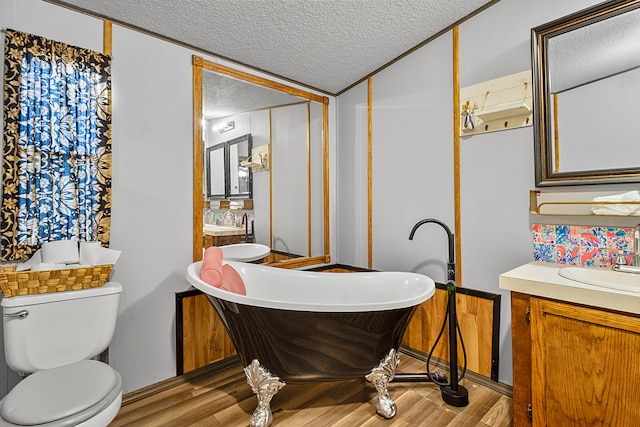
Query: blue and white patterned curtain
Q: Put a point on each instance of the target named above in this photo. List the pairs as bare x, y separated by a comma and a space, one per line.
57, 144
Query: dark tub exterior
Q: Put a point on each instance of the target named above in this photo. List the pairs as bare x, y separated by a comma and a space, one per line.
302, 346
298, 326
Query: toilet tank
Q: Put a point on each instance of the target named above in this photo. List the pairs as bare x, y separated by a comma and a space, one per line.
59, 328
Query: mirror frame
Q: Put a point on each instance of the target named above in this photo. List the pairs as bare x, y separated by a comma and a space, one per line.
200, 64
207, 169
543, 105
228, 166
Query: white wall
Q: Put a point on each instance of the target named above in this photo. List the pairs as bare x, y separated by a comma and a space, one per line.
152, 181
352, 163
413, 159
152, 202
289, 178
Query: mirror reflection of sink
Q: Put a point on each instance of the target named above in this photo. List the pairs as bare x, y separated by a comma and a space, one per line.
244, 252
602, 277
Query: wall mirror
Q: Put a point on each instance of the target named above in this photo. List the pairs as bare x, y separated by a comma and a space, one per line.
227, 171
276, 136
586, 73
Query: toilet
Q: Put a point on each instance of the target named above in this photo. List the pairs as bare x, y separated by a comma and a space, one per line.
54, 338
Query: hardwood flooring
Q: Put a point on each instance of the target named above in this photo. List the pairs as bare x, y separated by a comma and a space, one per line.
224, 399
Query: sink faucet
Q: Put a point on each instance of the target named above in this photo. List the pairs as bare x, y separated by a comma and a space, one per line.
245, 224
451, 265
621, 262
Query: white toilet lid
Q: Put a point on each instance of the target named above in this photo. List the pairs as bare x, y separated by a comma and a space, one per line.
70, 393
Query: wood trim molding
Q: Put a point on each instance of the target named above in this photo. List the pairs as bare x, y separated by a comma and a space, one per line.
198, 160
107, 37
309, 226
369, 170
325, 180
556, 136
456, 155
237, 74
270, 178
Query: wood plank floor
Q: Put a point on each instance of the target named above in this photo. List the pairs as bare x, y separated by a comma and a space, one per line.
225, 399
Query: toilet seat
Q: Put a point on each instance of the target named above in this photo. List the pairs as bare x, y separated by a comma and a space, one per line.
63, 396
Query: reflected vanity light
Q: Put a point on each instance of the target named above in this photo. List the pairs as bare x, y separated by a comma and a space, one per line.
224, 127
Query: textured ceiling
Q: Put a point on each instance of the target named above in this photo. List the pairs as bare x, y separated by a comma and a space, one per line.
324, 44
224, 96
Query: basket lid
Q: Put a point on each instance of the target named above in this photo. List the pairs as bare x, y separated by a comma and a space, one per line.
72, 393
23, 300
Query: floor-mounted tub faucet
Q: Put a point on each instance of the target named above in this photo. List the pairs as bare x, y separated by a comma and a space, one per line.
451, 264
452, 393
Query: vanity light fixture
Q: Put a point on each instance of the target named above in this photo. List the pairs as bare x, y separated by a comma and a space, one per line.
224, 127
229, 126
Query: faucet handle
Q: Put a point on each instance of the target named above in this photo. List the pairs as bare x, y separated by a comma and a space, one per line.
620, 259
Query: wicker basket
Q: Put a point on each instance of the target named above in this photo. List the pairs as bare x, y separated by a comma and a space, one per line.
16, 283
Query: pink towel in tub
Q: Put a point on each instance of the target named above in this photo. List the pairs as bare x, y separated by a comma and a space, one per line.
231, 280
211, 270
221, 276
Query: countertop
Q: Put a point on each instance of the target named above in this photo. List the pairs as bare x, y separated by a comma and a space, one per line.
222, 230
542, 279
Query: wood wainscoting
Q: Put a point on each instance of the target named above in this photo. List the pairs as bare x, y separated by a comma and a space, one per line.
201, 338
478, 315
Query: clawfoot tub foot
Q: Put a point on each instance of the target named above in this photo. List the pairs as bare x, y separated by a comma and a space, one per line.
380, 378
264, 385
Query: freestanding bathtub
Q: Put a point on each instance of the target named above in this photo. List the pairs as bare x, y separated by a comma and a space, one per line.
301, 326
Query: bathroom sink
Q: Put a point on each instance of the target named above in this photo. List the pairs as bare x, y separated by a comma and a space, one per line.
602, 277
244, 252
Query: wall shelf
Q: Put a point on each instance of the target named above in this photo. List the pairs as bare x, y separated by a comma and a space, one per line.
499, 104
561, 205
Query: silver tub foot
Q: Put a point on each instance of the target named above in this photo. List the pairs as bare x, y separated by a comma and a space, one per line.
264, 386
380, 378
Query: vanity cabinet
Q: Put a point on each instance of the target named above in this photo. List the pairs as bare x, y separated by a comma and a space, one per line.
222, 240
574, 365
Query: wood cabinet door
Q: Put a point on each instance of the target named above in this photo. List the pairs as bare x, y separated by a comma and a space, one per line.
585, 367
521, 342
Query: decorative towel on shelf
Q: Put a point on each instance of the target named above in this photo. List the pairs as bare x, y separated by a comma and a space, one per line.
220, 276
620, 209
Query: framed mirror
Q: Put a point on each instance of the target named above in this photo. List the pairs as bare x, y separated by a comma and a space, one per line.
586, 72
216, 172
227, 170
274, 140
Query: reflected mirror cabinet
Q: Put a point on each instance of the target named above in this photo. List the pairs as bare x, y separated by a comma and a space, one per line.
260, 140
226, 167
